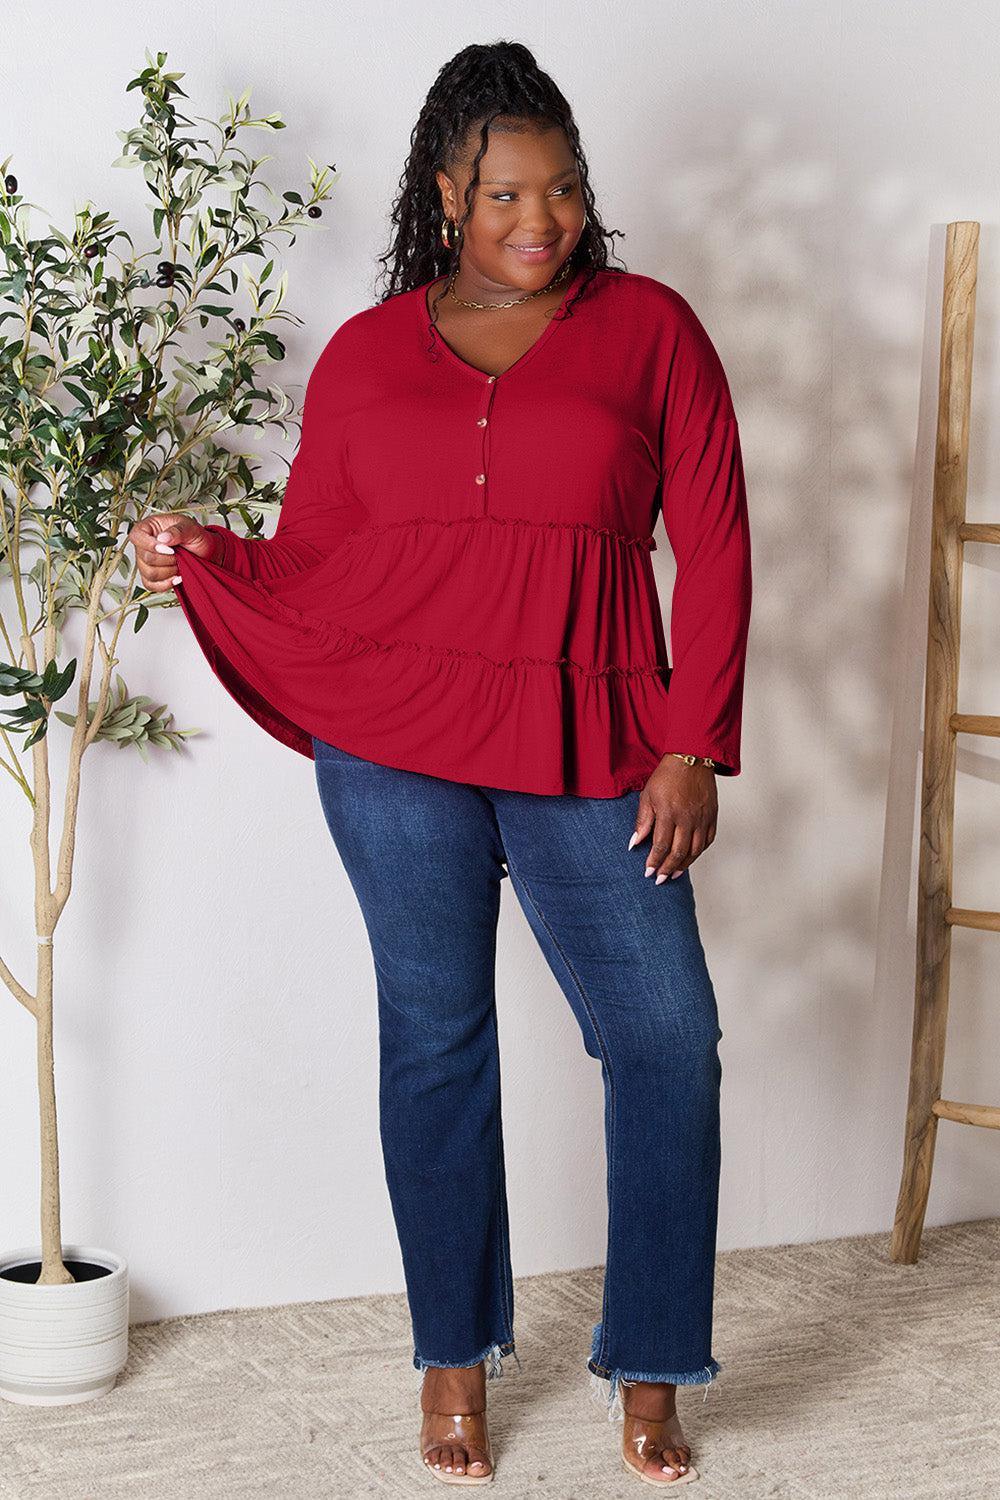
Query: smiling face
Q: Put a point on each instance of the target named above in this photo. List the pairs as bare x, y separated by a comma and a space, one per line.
527, 210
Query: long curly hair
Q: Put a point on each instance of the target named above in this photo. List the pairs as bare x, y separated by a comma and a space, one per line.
478, 85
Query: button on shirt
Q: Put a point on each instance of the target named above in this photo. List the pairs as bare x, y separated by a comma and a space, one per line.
460, 580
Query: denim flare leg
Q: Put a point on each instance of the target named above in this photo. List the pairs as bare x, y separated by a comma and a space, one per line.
425, 857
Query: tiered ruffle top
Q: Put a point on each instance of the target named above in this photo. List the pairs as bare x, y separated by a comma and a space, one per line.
460, 581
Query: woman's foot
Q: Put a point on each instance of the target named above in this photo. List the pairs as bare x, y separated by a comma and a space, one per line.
653, 1440
453, 1436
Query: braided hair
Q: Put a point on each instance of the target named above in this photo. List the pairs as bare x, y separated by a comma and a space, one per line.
478, 85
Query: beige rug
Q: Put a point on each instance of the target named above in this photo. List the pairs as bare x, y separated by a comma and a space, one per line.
842, 1374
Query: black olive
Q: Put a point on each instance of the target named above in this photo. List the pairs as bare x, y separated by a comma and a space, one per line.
90, 251
164, 281
10, 183
315, 211
239, 325
165, 267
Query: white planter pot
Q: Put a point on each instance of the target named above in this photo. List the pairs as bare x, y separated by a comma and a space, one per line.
62, 1344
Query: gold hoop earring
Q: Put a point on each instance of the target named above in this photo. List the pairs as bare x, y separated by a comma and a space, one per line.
445, 235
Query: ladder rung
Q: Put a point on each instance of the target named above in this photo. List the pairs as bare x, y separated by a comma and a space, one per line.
971, 531
974, 723
967, 1114
961, 916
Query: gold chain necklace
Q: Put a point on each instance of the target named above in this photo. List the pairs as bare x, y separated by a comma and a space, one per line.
560, 277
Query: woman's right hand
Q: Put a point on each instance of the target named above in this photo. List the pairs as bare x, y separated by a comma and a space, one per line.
155, 538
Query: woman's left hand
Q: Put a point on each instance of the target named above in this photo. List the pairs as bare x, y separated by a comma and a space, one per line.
679, 806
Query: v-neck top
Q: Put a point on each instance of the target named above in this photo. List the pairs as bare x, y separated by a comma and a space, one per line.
460, 580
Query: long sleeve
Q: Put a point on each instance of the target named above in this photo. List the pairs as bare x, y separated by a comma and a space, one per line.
705, 516
319, 505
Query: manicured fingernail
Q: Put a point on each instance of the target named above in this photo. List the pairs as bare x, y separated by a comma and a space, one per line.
162, 547
649, 870
668, 1470
633, 841
661, 878
677, 875
178, 579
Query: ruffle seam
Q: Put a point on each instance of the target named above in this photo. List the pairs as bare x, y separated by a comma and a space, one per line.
311, 626
375, 528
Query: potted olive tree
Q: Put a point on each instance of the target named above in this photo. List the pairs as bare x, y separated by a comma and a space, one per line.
120, 368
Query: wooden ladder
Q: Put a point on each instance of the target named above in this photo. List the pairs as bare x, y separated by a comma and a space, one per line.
935, 914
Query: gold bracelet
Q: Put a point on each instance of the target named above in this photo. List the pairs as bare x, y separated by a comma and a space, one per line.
694, 760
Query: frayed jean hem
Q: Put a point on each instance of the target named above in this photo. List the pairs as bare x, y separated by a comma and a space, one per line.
493, 1356
606, 1384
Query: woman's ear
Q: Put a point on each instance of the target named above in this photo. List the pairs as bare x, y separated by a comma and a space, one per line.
447, 190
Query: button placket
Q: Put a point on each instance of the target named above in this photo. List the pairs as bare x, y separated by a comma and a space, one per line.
482, 422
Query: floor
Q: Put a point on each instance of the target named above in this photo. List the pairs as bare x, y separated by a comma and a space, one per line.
843, 1373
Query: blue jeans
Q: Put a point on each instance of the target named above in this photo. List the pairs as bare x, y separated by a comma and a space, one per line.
425, 857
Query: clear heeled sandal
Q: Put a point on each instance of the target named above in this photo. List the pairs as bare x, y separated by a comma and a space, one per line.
642, 1436
468, 1429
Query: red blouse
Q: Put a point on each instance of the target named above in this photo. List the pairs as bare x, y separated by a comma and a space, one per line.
460, 580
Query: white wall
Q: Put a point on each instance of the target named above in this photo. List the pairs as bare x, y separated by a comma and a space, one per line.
789, 168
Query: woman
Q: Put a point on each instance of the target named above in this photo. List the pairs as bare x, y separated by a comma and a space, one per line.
457, 619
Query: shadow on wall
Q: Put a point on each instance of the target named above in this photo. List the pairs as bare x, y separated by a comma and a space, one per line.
822, 291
